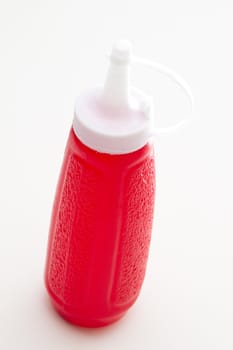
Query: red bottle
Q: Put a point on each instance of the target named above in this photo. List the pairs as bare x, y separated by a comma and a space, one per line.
103, 211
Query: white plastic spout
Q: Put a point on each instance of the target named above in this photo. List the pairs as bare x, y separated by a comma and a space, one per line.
118, 118
116, 87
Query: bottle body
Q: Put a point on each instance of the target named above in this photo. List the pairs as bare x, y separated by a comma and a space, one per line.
100, 233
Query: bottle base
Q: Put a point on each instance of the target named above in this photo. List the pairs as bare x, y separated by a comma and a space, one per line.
81, 320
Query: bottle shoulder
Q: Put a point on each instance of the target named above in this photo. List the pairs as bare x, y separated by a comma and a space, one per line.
75, 146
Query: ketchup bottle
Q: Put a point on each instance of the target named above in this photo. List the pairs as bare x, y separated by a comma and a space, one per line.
103, 210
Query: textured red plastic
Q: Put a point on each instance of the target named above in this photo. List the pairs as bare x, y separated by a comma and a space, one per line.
100, 233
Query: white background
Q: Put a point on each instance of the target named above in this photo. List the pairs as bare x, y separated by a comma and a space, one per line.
51, 50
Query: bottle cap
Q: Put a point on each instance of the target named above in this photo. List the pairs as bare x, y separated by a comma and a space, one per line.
117, 118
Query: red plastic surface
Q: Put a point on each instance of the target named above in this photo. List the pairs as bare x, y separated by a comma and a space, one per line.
100, 233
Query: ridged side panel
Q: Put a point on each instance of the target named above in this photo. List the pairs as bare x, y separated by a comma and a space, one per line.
74, 231
63, 229
139, 188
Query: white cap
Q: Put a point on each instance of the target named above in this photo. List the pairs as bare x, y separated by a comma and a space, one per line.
114, 119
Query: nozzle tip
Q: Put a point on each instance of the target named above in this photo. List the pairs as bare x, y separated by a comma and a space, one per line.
121, 51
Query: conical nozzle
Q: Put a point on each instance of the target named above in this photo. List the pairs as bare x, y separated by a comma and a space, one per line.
117, 83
